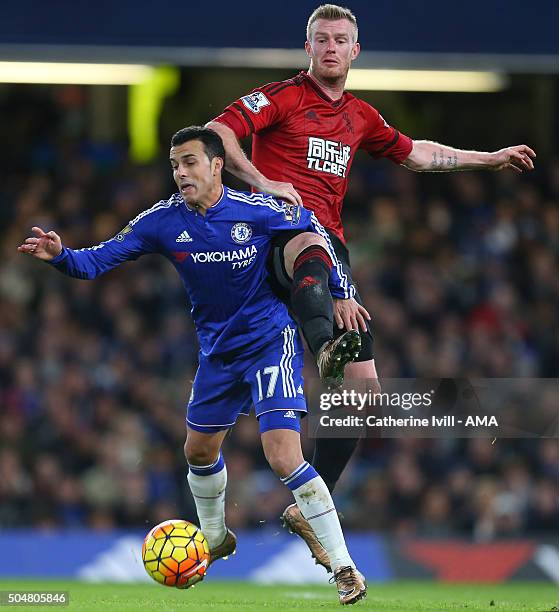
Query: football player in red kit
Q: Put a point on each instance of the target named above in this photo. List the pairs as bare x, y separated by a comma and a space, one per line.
305, 133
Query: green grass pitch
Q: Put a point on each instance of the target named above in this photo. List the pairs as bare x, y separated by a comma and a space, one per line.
244, 597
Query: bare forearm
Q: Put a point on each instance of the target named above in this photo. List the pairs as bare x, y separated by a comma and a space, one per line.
427, 156
236, 162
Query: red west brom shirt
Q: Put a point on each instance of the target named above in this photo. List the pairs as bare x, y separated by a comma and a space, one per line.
301, 136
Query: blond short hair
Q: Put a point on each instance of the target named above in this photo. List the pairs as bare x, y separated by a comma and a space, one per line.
331, 12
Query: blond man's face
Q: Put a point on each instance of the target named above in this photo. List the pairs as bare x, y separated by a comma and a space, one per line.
332, 48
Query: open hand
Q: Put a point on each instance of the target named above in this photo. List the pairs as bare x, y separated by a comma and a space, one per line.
518, 158
350, 314
283, 191
45, 246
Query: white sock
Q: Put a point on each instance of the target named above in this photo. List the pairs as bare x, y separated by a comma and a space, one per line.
208, 490
316, 505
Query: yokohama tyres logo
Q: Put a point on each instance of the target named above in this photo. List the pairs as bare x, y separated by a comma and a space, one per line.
239, 259
328, 156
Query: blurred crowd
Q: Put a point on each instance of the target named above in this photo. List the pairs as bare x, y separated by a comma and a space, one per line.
459, 272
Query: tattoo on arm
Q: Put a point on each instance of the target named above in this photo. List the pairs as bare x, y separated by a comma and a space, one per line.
441, 161
438, 160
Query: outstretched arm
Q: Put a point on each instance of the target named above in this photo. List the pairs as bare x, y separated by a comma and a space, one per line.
237, 163
85, 263
427, 156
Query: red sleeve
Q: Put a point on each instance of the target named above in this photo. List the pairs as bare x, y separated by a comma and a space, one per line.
382, 140
260, 109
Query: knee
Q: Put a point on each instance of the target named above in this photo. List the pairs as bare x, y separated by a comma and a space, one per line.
302, 241
197, 454
282, 466
298, 244
283, 463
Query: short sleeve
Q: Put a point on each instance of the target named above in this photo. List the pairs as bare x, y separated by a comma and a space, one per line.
283, 216
258, 110
382, 140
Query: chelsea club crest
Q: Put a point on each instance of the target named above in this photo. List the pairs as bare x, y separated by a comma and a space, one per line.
241, 233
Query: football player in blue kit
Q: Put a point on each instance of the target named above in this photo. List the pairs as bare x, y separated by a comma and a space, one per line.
219, 239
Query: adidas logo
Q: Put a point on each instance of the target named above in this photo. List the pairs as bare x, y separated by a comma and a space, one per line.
290, 414
300, 389
184, 237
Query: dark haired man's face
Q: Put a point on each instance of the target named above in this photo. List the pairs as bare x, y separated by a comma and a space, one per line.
197, 178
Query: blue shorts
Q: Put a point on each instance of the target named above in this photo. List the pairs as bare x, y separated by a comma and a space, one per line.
271, 380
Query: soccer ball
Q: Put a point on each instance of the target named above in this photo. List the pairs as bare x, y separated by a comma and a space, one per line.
176, 553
